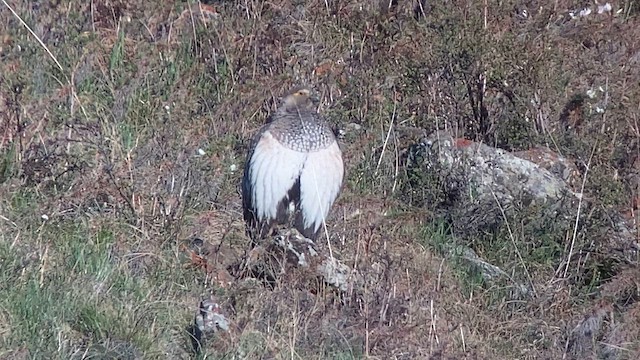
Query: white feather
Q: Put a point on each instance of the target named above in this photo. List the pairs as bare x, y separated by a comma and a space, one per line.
274, 171
320, 184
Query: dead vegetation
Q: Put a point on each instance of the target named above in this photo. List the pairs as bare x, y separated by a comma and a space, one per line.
122, 145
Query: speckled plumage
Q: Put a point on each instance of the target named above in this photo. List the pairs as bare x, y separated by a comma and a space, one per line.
301, 129
294, 170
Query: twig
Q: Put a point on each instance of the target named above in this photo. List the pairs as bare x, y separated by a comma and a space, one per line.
433, 334
193, 27
575, 225
37, 38
55, 60
386, 140
513, 241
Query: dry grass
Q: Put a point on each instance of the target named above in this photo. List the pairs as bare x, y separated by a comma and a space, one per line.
122, 145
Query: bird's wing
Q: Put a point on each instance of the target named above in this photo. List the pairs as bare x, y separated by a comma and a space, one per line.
273, 171
320, 183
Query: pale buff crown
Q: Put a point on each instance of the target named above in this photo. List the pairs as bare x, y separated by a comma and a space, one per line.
299, 98
298, 126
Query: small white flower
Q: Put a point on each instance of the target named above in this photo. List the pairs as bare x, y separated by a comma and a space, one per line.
201, 152
45, 217
604, 8
591, 93
584, 12
233, 167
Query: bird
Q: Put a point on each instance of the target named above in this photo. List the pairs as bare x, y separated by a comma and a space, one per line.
294, 170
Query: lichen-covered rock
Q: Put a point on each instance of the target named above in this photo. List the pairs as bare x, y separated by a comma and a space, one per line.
495, 173
496, 201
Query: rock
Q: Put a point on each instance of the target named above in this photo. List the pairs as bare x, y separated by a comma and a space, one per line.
495, 173
304, 253
485, 193
209, 319
559, 166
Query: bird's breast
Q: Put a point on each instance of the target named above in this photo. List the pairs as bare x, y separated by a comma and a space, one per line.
304, 139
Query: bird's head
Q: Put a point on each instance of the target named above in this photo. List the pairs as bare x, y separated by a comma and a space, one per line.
299, 98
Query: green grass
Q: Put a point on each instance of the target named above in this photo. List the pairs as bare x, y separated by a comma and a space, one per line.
7, 164
77, 293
